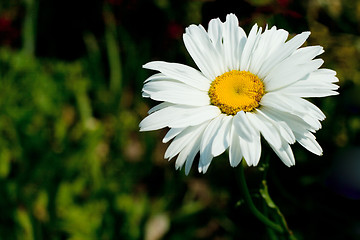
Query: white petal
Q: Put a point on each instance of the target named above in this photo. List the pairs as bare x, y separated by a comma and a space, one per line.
232, 36
215, 31
190, 158
266, 128
156, 76
160, 117
318, 84
318, 81
173, 132
145, 95
300, 129
285, 51
195, 117
203, 52
283, 128
305, 54
326, 72
235, 155
291, 105
194, 149
177, 96
181, 158
269, 42
297, 124
159, 107
275, 39
176, 92
284, 153
179, 143
309, 142
188, 152
242, 125
287, 73
249, 47
210, 133
282, 149
222, 140
182, 139
178, 116
179, 72
251, 150
207, 141
203, 166
306, 106
311, 91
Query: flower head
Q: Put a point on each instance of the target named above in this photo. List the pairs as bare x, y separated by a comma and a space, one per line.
247, 86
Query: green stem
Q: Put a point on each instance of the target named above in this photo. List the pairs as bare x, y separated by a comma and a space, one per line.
29, 26
265, 195
113, 51
276, 213
272, 235
252, 207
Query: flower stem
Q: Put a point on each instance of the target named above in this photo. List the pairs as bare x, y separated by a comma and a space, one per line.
113, 51
252, 207
29, 27
279, 216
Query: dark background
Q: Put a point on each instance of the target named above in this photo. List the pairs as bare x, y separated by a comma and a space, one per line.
74, 166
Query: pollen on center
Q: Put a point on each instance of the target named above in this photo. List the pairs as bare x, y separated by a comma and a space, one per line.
236, 91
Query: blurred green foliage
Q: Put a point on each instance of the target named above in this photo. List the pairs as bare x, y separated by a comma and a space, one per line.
73, 164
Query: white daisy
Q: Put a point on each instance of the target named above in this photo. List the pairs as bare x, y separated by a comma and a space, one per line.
247, 86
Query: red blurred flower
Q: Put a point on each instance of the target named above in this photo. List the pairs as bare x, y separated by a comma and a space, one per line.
175, 30
8, 33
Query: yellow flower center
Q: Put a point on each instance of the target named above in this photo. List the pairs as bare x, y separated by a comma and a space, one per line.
236, 91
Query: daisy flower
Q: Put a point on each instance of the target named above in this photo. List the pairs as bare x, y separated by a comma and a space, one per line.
246, 87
